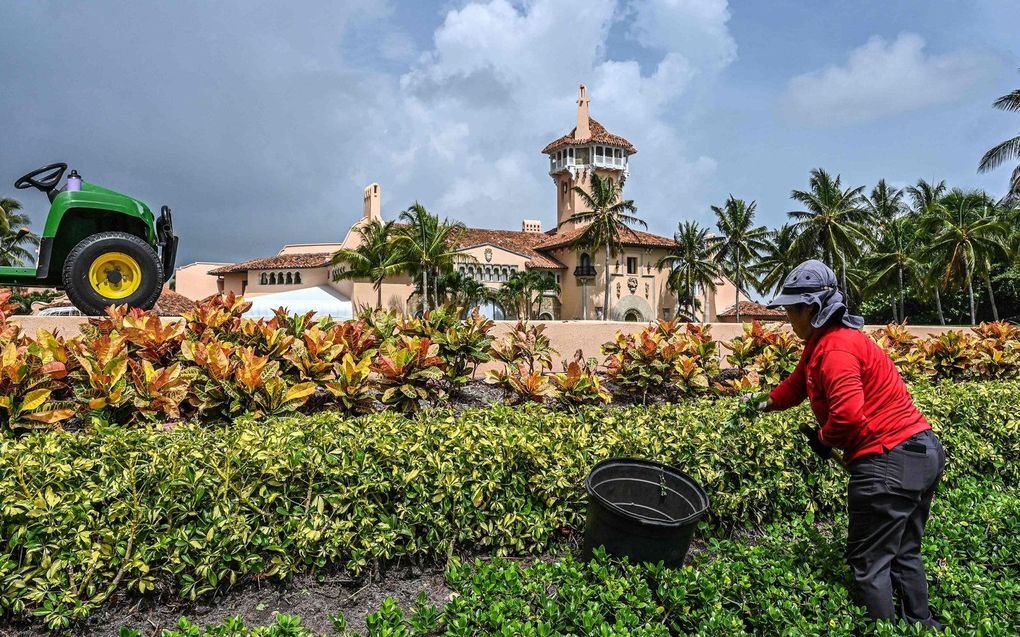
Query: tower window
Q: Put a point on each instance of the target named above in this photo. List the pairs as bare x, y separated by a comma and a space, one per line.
297, 277
631, 265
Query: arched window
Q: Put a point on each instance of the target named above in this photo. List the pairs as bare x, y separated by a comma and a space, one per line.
585, 260
297, 278
264, 279
272, 278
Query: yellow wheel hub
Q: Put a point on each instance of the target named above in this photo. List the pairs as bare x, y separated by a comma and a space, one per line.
115, 275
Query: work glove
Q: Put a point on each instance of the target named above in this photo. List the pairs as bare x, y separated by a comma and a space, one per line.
816, 445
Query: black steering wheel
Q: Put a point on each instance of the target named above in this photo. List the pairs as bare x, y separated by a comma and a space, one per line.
51, 176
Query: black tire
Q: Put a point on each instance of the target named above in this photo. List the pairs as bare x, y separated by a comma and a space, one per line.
76, 272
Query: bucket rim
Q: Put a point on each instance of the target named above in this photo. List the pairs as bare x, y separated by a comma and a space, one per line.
694, 517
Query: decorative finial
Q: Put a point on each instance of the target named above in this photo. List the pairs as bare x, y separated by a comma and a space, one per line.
582, 131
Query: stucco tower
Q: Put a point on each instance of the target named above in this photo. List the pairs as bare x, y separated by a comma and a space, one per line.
573, 157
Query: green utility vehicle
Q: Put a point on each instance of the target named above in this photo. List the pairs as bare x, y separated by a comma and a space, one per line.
101, 247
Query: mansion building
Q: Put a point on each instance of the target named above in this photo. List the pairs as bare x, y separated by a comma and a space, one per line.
638, 290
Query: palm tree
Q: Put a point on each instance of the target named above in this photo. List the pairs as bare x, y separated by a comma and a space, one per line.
608, 216
461, 290
14, 246
539, 284
891, 261
741, 243
429, 246
926, 198
375, 259
525, 289
778, 259
963, 233
691, 265
1008, 150
832, 218
1004, 249
885, 208
510, 296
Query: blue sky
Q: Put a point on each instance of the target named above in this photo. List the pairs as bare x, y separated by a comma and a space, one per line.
261, 124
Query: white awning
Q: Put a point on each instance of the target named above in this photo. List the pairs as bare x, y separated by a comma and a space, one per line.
322, 299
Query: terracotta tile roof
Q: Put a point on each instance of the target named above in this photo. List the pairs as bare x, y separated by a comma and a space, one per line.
750, 309
599, 134
169, 303
629, 237
297, 260
523, 243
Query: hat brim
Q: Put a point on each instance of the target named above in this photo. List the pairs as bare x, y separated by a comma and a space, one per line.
788, 299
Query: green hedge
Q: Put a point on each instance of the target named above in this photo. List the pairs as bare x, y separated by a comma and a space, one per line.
87, 514
790, 581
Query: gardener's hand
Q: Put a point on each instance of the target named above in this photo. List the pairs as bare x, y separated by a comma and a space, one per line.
816, 445
755, 402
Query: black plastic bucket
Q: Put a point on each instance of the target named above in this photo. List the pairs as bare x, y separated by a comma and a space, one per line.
643, 510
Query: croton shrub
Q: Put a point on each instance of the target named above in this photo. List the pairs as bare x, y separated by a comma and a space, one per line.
133, 368
194, 509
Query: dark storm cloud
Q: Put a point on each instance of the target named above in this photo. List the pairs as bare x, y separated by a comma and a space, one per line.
242, 117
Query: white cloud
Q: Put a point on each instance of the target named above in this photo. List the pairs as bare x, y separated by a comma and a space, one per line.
882, 78
695, 29
500, 82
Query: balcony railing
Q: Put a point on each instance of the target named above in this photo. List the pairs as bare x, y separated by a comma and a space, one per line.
584, 271
602, 161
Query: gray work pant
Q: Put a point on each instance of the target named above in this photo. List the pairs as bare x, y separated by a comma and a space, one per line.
888, 501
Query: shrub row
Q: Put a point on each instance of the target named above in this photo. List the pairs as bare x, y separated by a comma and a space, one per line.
791, 580
131, 367
201, 508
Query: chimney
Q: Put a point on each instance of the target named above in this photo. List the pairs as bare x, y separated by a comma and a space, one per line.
582, 132
530, 225
372, 209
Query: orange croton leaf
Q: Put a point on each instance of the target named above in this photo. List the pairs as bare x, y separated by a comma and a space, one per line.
50, 417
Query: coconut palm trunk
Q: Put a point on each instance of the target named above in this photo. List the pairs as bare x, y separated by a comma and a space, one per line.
738, 288
938, 305
605, 298
970, 290
991, 294
903, 311
424, 290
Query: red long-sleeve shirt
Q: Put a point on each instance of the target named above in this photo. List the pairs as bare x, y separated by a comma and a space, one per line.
856, 393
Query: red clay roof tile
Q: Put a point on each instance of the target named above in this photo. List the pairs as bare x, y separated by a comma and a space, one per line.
297, 260
522, 243
599, 134
629, 237
750, 309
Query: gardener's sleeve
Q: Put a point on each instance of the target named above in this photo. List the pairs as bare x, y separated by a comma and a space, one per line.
792, 391
842, 378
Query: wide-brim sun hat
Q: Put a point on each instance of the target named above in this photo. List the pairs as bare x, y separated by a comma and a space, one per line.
814, 283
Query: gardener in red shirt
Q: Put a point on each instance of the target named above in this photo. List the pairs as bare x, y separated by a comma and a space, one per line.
893, 457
